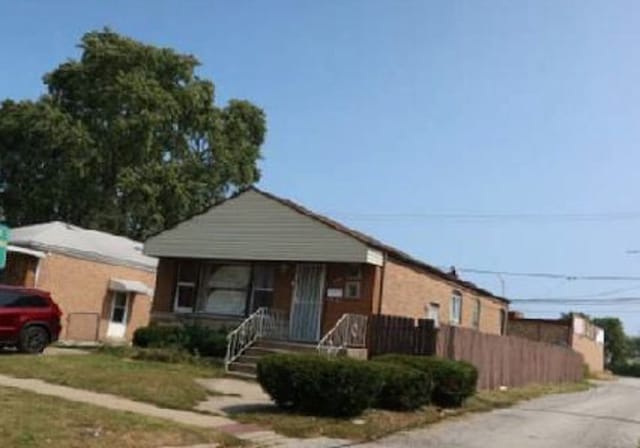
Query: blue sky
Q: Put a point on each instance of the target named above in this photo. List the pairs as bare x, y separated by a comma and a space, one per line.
396, 108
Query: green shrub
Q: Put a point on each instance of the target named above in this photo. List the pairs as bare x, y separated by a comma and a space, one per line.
312, 384
204, 341
404, 388
195, 339
159, 336
627, 369
453, 381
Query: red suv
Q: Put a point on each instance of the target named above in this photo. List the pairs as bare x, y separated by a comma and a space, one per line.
29, 318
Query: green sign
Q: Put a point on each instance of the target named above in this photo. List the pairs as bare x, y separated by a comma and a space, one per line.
4, 242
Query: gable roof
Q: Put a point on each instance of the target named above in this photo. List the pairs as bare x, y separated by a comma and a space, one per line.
373, 242
368, 241
67, 239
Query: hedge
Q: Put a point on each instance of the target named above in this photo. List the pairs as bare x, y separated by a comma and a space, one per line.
312, 384
453, 381
195, 339
627, 369
404, 388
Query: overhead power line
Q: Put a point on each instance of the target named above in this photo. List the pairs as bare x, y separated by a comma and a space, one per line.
605, 301
536, 217
551, 275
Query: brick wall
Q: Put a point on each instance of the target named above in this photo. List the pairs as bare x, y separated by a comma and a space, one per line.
407, 291
556, 331
79, 285
334, 308
591, 351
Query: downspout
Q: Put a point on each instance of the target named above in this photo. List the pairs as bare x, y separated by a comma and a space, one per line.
36, 276
382, 270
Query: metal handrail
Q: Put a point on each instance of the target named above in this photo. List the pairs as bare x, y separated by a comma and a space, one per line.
349, 331
263, 323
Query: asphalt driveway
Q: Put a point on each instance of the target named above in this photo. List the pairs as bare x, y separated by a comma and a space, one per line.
604, 417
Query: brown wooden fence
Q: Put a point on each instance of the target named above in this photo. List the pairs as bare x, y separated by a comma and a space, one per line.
501, 360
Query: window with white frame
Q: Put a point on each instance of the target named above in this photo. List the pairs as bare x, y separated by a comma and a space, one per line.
185, 293
433, 313
119, 307
224, 289
475, 316
455, 310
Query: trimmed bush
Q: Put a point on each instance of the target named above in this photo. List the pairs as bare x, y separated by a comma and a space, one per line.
158, 336
312, 384
195, 339
453, 381
404, 388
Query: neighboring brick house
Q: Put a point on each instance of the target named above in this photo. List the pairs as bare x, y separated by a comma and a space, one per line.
257, 250
574, 331
102, 282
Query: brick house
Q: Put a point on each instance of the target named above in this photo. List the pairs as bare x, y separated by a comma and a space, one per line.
575, 331
102, 282
258, 251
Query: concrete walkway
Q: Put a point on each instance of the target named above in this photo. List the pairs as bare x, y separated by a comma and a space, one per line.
237, 396
250, 433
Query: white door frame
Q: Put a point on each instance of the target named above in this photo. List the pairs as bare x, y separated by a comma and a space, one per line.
118, 329
294, 296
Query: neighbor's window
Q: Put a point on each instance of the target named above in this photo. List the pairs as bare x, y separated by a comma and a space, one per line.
455, 312
475, 317
185, 296
225, 289
262, 291
119, 311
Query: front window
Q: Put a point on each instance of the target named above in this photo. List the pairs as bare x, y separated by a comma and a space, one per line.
353, 281
185, 296
224, 289
455, 313
262, 291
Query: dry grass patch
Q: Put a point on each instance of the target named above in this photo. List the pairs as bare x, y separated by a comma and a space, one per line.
375, 423
29, 420
163, 384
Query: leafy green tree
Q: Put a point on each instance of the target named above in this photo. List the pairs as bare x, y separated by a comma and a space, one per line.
615, 341
127, 139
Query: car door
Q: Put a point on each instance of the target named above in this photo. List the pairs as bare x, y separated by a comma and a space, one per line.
9, 316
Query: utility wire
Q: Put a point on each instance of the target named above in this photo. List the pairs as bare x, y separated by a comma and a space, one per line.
601, 216
551, 275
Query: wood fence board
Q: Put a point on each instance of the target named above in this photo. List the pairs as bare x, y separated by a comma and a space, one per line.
501, 360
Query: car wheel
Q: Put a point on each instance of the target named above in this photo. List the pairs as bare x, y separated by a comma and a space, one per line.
33, 340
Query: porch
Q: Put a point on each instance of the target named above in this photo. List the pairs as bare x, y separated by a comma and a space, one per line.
303, 300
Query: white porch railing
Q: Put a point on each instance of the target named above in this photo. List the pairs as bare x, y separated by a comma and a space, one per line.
349, 331
263, 323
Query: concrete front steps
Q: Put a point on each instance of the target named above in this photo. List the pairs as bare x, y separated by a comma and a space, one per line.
246, 365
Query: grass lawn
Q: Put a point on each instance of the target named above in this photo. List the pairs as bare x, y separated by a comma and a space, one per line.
163, 384
29, 420
374, 424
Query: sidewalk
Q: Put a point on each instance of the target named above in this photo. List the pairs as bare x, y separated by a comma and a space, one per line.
250, 433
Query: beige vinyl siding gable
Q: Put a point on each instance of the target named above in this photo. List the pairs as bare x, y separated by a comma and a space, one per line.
252, 226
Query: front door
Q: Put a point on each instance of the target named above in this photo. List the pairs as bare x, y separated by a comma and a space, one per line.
119, 314
306, 306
